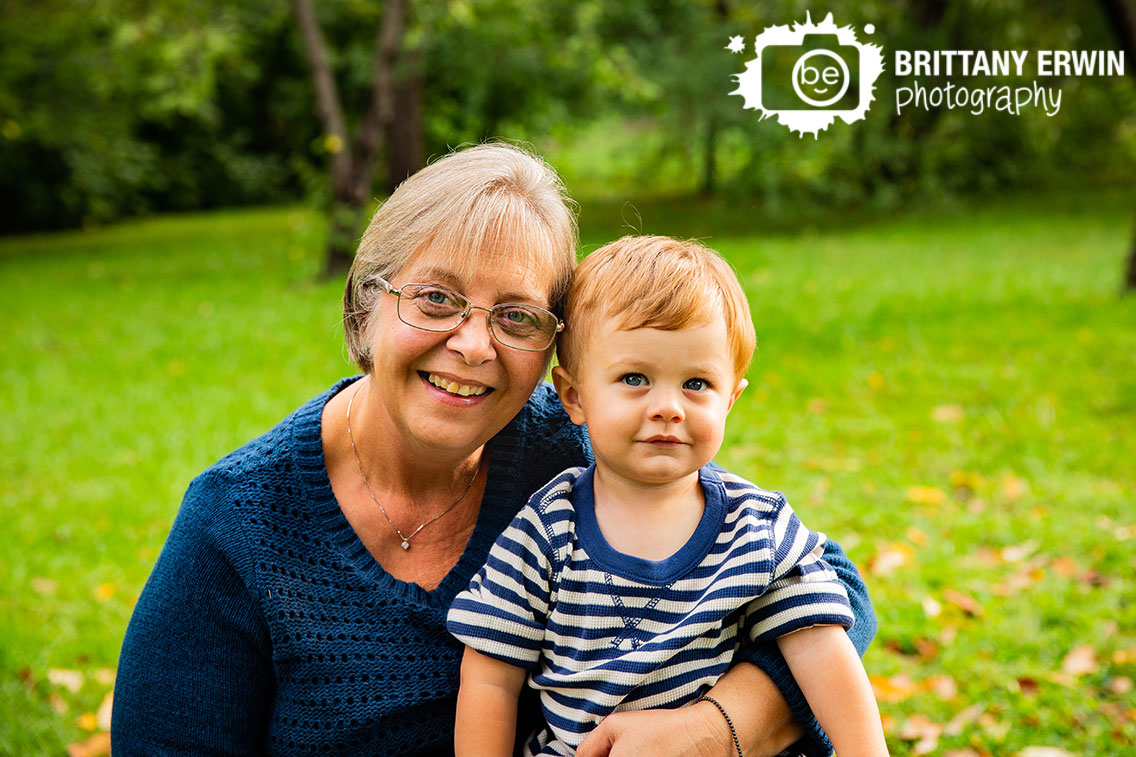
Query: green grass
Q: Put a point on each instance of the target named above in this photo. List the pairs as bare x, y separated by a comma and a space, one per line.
981, 353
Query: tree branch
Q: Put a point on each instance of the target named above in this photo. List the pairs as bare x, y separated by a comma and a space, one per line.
380, 113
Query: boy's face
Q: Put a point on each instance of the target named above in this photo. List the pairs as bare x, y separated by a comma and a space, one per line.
655, 401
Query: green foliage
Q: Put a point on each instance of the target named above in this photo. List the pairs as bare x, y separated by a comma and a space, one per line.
978, 353
115, 108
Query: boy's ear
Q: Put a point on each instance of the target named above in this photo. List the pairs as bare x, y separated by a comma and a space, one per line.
569, 396
737, 393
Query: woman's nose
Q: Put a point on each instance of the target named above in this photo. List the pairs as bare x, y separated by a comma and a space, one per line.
473, 340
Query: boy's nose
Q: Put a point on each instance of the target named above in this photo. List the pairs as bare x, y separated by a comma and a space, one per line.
666, 407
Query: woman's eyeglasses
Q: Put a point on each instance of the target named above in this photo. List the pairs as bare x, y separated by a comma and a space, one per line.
435, 308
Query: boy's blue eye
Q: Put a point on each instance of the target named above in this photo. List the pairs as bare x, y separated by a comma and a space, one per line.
696, 385
634, 379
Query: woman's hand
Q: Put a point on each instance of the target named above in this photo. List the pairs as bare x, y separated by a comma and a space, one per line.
763, 721
695, 731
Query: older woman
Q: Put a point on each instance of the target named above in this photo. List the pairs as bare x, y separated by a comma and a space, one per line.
299, 603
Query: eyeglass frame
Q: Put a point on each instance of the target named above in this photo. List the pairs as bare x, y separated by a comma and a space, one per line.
390, 288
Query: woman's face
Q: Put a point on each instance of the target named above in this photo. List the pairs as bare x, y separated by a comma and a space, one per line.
450, 392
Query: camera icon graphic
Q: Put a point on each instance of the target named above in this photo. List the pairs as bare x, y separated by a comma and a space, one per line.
810, 74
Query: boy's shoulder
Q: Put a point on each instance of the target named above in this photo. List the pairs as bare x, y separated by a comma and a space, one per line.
741, 493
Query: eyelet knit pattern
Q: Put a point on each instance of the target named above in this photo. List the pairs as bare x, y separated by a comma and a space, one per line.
268, 626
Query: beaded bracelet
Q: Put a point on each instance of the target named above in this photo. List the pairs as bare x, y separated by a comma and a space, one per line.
730, 723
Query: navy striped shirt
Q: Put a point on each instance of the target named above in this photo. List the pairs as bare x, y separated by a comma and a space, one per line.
602, 631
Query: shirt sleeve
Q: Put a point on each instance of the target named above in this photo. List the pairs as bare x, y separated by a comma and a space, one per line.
195, 674
769, 659
804, 590
503, 612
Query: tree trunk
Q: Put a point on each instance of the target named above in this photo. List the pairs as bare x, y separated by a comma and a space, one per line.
1122, 20
405, 135
352, 161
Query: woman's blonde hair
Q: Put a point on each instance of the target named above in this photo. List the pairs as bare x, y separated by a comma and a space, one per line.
655, 282
480, 209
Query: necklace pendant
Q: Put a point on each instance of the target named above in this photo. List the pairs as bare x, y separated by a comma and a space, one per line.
405, 544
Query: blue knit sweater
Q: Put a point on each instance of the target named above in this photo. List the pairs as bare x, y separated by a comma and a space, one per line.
267, 627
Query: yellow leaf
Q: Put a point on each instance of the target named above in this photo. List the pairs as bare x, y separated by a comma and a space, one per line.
104, 592
926, 495
88, 721
1080, 661
916, 536
947, 413
103, 715
72, 680
44, 586
961, 479
96, 746
964, 602
876, 381
1013, 487
888, 559
818, 405
895, 689
333, 143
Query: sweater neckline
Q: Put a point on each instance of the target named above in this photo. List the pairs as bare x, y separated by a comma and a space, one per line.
328, 515
652, 572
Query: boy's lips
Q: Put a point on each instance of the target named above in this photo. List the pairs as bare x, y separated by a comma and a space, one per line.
660, 440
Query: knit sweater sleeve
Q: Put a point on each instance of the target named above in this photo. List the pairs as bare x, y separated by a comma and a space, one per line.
768, 657
195, 676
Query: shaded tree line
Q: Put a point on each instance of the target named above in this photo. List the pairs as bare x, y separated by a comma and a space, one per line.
118, 107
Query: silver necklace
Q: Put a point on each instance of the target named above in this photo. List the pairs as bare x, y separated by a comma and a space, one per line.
405, 537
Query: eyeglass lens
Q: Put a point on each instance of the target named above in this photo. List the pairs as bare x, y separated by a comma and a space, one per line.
434, 308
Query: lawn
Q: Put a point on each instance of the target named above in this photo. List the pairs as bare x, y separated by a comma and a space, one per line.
951, 394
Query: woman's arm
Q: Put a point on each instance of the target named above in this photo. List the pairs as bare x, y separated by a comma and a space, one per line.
195, 674
769, 659
487, 706
826, 667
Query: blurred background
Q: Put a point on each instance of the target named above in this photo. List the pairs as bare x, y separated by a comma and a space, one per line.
946, 371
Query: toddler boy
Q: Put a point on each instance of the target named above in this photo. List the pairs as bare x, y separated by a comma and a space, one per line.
632, 583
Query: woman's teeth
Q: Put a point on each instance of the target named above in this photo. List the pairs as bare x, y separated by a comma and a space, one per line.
453, 387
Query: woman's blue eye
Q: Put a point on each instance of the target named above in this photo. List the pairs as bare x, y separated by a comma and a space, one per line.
634, 379
437, 297
696, 385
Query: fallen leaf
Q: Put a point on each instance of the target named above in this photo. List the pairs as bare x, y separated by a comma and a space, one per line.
96, 746
895, 689
962, 719
105, 676
88, 721
1123, 656
44, 586
961, 479
916, 536
104, 592
27, 677
818, 405
56, 702
1028, 686
931, 607
1013, 487
961, 753
876, 381
948, 413
1044, 751
1065, 567
888, 559
102, 717
924, 731
926, 495
1080, 661
943, 686
964, 602
1120, 685
1019, 552
72, 680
